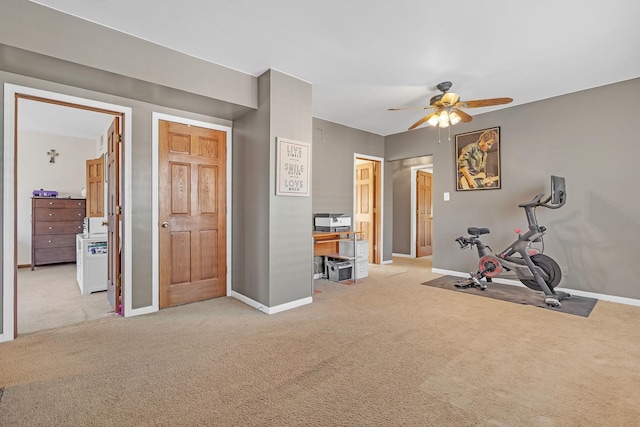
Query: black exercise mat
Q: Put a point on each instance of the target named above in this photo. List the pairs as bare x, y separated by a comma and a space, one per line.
580, 306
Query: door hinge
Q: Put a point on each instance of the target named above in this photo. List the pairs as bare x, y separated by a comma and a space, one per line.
118, 281
118, 210
119, 137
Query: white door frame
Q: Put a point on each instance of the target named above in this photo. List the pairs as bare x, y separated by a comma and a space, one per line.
155, 235
357, 156
8, 214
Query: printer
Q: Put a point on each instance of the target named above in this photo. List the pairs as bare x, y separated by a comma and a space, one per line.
332, 222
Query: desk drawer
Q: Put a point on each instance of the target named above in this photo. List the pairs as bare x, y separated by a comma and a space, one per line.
361, 251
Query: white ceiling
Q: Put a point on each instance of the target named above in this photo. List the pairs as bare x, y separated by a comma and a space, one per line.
363, 57
36, 116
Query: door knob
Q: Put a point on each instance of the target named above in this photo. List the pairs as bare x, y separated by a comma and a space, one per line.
165, 225
105, 223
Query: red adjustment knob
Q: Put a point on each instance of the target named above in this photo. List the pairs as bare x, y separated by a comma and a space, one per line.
518, 230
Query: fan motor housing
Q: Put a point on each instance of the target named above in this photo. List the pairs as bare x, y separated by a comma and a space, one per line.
444, 86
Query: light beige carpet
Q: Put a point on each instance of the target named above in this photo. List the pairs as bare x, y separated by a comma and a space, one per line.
383, 352
49, 297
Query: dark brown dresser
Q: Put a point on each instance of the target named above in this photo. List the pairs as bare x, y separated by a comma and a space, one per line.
55, 223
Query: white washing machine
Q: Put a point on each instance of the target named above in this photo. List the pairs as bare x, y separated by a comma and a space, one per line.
91, 262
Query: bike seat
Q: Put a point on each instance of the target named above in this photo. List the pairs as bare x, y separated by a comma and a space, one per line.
475, 231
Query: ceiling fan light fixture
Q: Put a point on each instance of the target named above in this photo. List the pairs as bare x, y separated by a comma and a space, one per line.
433, 120
443, 119
454, 118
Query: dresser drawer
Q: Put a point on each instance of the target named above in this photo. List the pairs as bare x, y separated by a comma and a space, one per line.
53, 255
75, 204
54, 241
58, 227
59, 214
59, 203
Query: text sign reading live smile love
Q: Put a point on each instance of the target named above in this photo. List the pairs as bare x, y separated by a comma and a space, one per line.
293, 163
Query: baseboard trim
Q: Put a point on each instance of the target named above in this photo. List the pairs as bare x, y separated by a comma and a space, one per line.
140, 311
402, 255
577, 292
271, 310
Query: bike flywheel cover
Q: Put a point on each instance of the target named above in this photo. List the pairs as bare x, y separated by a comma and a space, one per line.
490, 266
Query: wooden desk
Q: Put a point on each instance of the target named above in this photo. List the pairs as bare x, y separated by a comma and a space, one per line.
328, 243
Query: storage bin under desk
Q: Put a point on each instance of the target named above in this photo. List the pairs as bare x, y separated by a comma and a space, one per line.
330, 245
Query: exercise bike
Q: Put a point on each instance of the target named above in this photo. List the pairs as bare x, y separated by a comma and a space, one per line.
535, 270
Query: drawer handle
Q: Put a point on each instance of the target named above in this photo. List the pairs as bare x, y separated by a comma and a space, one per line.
50, 228
50, 214
50, 241
79, 214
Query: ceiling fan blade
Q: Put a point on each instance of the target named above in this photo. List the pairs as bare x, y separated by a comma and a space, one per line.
485, 102
450, 98
410, 108
464, 117
422, 120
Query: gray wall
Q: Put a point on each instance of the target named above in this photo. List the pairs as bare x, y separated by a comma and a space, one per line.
402, 195
272, 246
594, 235
290, 242
251, 199
334, 147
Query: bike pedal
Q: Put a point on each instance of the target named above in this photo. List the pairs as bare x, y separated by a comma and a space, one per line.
552, 302
464, 284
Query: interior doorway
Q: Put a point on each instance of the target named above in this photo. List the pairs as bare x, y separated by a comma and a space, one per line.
218, 274
49, 112
422, 208
368, 179
424, 215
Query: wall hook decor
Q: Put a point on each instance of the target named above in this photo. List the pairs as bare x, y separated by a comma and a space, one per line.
52, 155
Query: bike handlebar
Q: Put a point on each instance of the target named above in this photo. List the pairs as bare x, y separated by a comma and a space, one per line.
537, 201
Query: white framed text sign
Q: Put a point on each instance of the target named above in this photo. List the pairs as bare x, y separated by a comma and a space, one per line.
293, 162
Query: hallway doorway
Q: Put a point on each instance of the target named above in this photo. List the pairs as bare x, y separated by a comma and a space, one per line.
368, 203
20, 168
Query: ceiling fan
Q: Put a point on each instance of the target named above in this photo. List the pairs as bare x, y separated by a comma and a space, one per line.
447, 108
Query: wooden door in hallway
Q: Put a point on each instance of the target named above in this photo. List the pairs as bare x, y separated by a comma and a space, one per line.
424, 215
365, 204
114, 212
192, 213
95, 186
